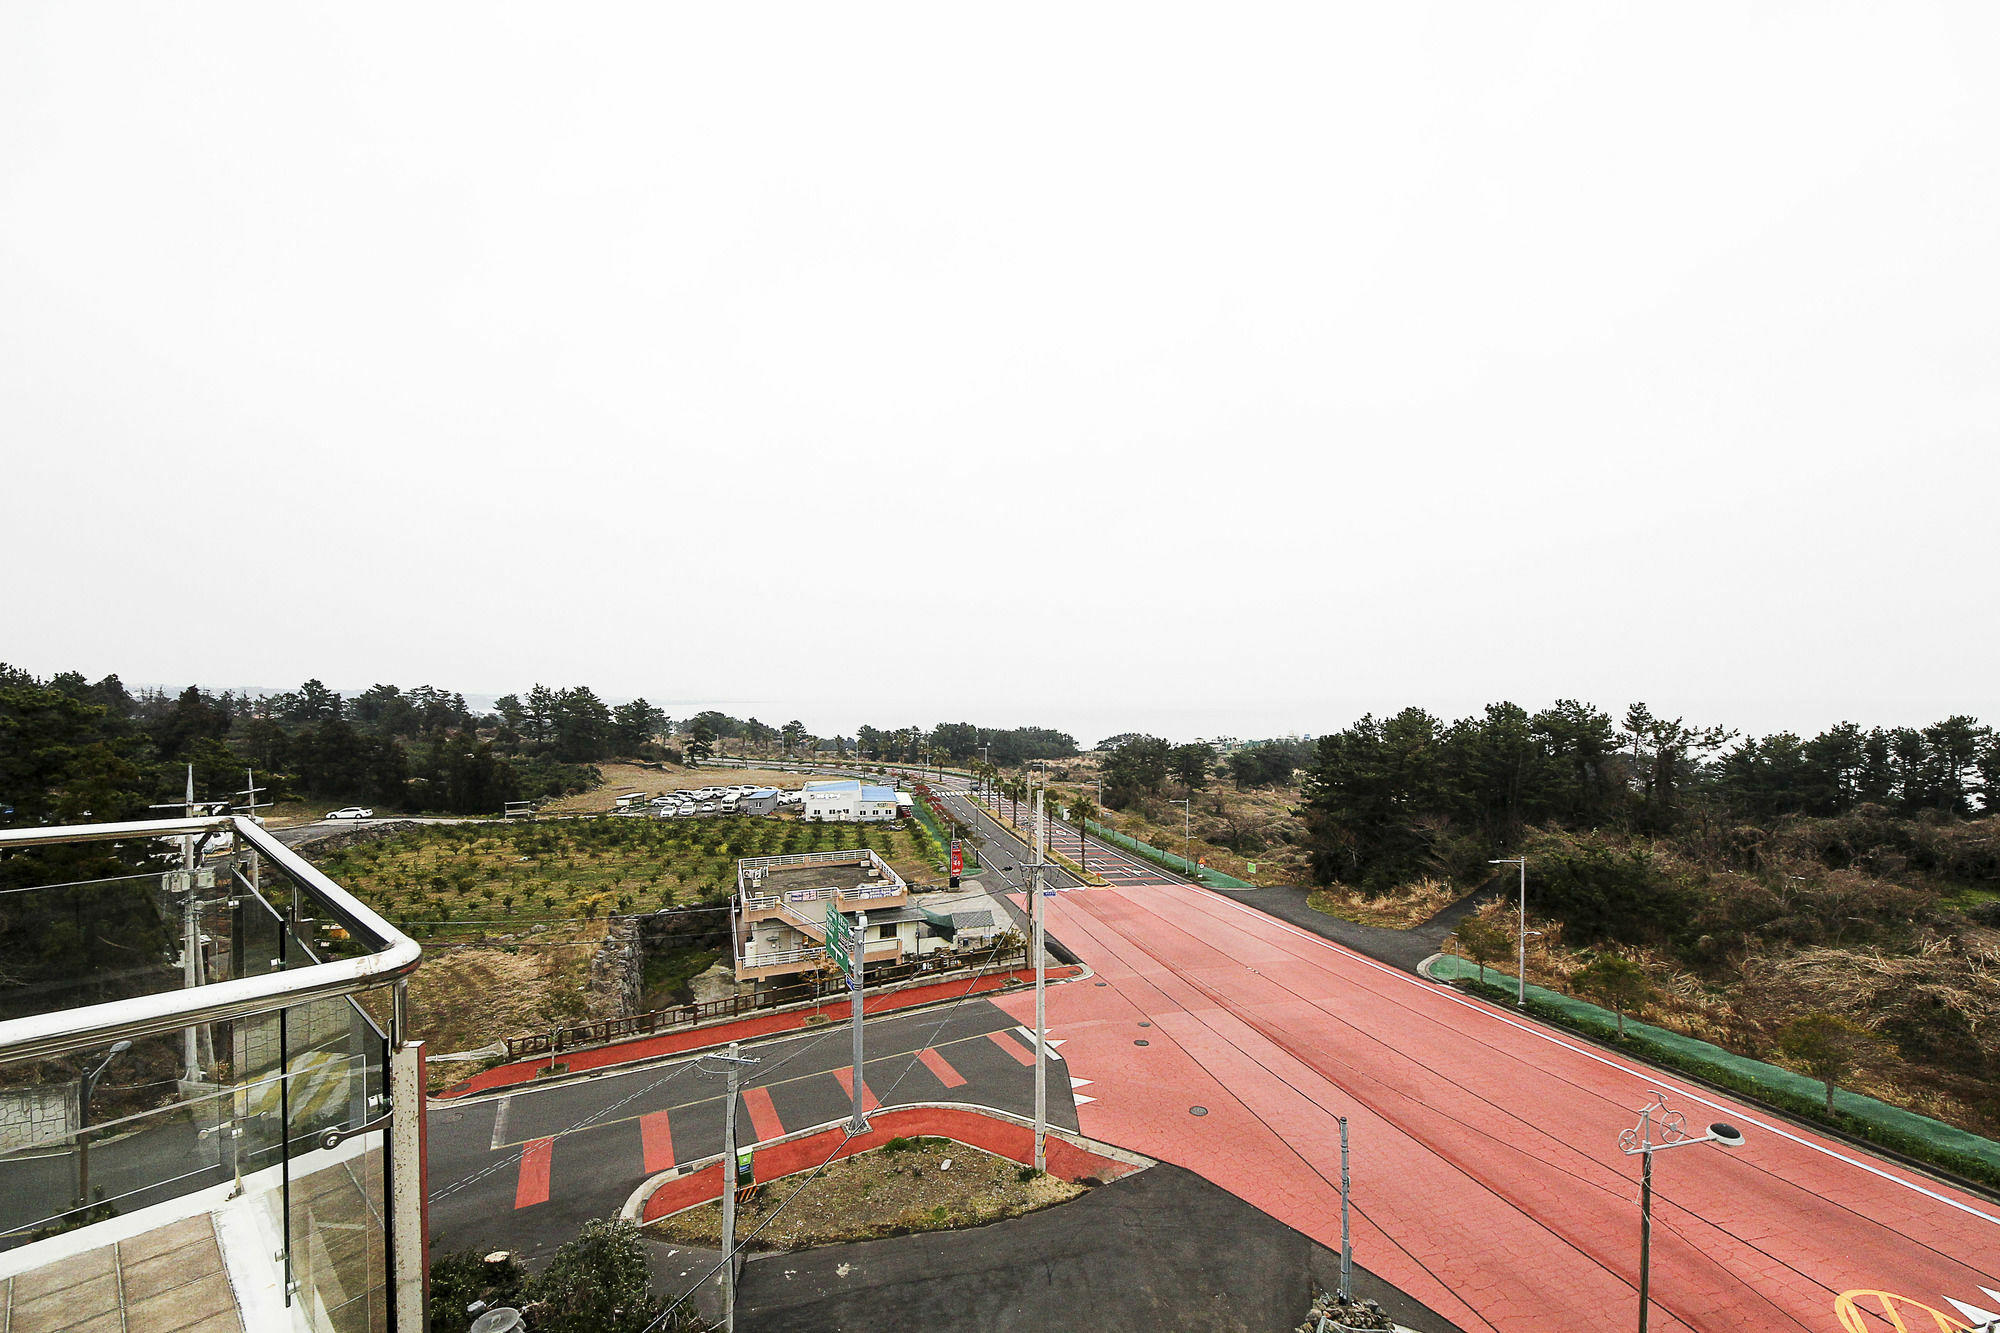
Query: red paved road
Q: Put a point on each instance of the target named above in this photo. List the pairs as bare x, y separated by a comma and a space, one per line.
1487, 1177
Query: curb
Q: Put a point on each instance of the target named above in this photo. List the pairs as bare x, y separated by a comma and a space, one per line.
635, 1204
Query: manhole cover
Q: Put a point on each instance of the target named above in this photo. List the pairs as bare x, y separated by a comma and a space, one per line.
1142, 1042
1144, 1024
449, 1117
1103, 983
1197, 1110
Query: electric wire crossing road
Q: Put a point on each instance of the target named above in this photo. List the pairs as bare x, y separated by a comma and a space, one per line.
532, 1165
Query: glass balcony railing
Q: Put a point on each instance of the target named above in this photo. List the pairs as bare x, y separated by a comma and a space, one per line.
191, 1012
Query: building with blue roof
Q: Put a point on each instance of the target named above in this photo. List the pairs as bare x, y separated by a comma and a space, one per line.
849, 799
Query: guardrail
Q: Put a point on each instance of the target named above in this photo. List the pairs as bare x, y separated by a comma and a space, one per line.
392, 956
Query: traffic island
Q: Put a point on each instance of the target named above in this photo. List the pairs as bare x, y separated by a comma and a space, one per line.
1070, 1157
907, 1185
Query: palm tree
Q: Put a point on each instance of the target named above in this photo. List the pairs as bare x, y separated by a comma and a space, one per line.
1081, 812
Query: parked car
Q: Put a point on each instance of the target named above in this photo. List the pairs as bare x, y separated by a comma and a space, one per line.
352, 812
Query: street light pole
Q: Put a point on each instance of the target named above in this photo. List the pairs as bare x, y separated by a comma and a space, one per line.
1521, 967
1671, 1128
85, 1087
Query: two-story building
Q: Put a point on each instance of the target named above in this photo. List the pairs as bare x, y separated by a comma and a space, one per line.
781, 905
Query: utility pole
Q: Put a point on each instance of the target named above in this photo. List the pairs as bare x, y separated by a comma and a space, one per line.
1038, 904
198, 1053
734, 1063
859, 962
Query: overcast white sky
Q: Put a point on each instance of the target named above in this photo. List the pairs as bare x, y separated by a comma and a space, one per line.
1195, 369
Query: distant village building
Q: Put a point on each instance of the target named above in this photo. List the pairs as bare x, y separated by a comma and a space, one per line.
850, 800
763, 801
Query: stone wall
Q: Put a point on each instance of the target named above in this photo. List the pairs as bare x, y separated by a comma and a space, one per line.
43, 1117
618, 970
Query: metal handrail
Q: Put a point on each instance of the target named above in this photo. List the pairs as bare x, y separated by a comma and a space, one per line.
877, 891
42, 1036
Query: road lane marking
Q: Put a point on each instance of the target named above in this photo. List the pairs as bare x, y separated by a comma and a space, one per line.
716, 1097
657, 1139
533, 1186
500, 1125
940, 1066
869, 1102
1654, 1077
763, 1115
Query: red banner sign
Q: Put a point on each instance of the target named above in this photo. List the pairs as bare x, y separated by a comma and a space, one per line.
957, 857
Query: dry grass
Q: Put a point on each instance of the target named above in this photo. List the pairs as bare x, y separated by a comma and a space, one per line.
471, 996
1222, 814
1947, 989
886, 1192
1411, 905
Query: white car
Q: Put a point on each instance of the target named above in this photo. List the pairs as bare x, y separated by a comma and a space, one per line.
352, 812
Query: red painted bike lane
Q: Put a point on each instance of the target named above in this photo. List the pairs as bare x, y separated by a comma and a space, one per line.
1488, 1180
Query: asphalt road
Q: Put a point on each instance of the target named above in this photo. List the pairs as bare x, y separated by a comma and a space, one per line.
522, 1171
1163, 1249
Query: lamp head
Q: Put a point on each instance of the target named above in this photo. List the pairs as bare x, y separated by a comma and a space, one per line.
120, 1047
1728, 1136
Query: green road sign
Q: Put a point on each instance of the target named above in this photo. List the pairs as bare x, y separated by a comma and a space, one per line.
839, 939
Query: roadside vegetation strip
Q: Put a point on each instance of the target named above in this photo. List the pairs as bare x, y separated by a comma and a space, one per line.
1917, 1136
1412, 905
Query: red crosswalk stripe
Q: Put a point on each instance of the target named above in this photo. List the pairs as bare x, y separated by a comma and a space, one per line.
533, 1187
658, 1141
763, 1115
1005, 1041
940, 1066
846, 1077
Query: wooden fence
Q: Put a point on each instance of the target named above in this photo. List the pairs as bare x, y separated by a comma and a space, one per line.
603, 1031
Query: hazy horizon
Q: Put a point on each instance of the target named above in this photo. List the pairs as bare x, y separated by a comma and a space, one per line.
1093, 366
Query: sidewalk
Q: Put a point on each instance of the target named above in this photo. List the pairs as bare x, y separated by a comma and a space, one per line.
1883, 1124
834, 1009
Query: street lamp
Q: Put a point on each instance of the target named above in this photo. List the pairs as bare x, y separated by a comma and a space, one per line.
1521, 968
1671, 1127
85, 1087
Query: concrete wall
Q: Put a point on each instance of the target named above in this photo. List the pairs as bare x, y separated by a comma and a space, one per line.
42, 1117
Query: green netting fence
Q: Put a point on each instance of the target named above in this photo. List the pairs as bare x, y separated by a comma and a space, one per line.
1171, 860
1905, 1131
942, 836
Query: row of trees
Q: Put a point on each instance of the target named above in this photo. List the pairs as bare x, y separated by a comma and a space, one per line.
1389, 798
962, 742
